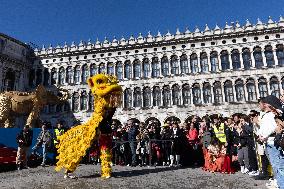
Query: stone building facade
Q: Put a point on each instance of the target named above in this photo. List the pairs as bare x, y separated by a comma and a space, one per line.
15, 62
222, 70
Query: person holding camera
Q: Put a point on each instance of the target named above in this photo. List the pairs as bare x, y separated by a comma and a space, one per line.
43, 140
24, 140
271, 107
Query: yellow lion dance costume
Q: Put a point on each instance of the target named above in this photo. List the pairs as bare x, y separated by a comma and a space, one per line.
74, 143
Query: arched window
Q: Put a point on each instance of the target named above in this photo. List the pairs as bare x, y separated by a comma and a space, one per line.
127, 98
38, 76
194, 63
59, 108
51, 108
119, 70
61, 76
280, 54
186, 94
137, 97
225, 64
83, 101
69, 75
91, 102
102, 68
127, 70
174, 65
46, 76
53, 76
217, 90
246, 58
77, 74
262, 87
32, 77
137, 69
146, 68
9, 80
176, 95
166, 96
93, 69
156, 96
269, 56
207, 96
85, 73
155, 67
214, 61
228, 91
196, 94
165, 66
110, 68
274, 87
75, 102
240, 91
204, 62
146, 97
251, 90
236, 59
184, 64
66, 107
258, 57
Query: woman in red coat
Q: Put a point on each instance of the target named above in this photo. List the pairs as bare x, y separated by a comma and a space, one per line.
193, 140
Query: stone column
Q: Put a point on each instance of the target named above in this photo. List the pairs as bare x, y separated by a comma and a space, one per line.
275, 58
241, 59
234, 92
35, 78
42, 76
191, 94
230, 61
268, 86
151, 98
256, 88
150, 64
264, 59
171, 92
161, 97
252, 58
208, 61
142, 98
223, 91
201, 93
211, 92
188, 63
198, 63
245, 93
219, 62
132, 97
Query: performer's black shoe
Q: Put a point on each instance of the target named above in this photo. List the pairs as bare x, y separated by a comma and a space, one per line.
262, 177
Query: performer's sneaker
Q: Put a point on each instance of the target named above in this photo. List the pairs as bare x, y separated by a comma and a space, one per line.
68, 175
253, 173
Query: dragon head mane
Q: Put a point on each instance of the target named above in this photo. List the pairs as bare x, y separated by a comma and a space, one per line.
106, 87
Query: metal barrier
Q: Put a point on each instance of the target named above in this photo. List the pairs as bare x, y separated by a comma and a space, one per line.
146, 150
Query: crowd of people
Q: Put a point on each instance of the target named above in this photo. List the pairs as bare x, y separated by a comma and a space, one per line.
216, 143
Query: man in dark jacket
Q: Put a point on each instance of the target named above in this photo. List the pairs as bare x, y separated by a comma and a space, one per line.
24, 140
132, 133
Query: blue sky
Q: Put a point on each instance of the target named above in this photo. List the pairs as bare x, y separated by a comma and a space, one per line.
56, 21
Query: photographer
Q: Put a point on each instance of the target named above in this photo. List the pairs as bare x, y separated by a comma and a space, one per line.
272, 107
24, 140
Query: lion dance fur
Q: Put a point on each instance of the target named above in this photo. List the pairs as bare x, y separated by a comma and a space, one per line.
75, 142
